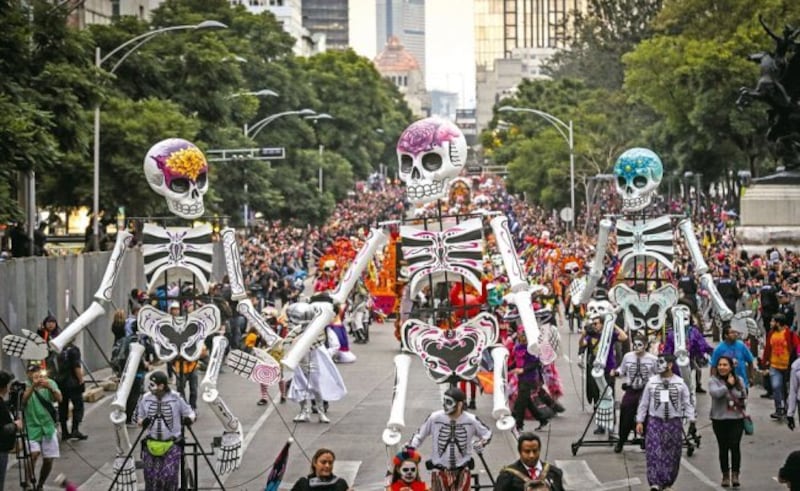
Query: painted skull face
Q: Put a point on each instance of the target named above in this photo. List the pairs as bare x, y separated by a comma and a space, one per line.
177, 170
449, 404
639, 172
408, 471
430, 152
599, 308
638, 345
662, 365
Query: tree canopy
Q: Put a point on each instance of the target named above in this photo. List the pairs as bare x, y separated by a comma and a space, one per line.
193, 84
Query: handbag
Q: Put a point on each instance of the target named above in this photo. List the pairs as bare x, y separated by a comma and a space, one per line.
47, 405
749, 429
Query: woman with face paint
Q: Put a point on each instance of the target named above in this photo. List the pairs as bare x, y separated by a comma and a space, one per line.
637, 367
162, 413
322, 477
665, 402
728, 395
405, 472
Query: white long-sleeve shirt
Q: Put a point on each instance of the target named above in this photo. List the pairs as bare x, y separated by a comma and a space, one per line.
665, 398
637, 369
452, 438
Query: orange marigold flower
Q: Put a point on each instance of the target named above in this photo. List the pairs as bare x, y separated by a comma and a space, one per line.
187, 161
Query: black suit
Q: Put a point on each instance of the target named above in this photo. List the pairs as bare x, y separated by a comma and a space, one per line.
510, 481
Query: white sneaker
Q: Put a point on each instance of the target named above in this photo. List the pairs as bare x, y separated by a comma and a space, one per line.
346, 357
323, 418
302, 417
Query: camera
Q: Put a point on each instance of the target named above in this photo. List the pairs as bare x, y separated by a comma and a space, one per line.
15, 391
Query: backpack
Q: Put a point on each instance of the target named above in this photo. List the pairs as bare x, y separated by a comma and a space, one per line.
120, 352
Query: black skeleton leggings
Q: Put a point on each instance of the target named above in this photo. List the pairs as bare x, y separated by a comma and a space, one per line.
729, 437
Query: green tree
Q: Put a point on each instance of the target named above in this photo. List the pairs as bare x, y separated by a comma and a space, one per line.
689, 74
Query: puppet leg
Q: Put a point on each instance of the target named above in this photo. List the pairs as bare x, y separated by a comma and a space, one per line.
375, 239
397, 421
604, 416
125, 469
501, 412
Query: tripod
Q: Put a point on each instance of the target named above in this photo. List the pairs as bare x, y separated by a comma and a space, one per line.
188, 475
596, 443
23, 449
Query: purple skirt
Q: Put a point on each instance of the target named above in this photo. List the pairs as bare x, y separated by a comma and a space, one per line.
161, 473
663, 444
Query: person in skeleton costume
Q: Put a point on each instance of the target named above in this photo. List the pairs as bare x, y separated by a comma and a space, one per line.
358, 312
163, 414
317, 377
646, 250
665, 402
452, 430
405, 472
637, 367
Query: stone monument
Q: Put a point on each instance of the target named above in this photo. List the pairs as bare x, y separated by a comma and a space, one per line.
770, 207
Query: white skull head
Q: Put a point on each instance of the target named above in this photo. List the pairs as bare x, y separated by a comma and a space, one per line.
449, 404
599, 308
639, 172
430, 152
177, 170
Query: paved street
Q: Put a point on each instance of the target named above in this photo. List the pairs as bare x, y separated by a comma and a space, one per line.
357, 423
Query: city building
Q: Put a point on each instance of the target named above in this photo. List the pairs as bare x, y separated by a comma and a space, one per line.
290, 14
400, 66
88, 12
137, 8
405, 20
444, 104
515, 38
467, 122
328, 17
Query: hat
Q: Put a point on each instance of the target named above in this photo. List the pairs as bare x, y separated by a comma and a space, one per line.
406, 454
456, 393
174, 305
159, 378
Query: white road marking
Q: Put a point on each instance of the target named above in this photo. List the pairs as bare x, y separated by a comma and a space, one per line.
347, 470
698, 474
579, 476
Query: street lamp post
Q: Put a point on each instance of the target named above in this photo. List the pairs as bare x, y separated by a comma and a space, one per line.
254, 129
315, 118
560, 126
257, 93
131, 45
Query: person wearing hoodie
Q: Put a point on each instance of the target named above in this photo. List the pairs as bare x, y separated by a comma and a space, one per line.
780, 351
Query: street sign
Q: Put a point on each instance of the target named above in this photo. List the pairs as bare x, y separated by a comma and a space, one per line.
566, 214
234, 154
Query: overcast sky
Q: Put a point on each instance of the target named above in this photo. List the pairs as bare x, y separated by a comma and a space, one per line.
449, 43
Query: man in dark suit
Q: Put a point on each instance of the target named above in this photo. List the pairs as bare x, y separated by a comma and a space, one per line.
529, 473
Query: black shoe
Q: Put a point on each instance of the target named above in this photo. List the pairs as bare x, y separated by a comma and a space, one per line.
262, 402
699, 390
283, 399
777, 414
542, 424
766, 395
618, 446
77, 435
471, 404
599, 431
557, 407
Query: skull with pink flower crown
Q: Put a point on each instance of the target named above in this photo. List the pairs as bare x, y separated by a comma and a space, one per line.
431, 152
177, 170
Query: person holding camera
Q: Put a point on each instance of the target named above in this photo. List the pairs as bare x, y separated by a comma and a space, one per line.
8, 426
162, 413
529, 472
40, 420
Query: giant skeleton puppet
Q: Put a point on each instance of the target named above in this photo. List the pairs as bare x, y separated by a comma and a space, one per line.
645, 246
177, 170
431, 152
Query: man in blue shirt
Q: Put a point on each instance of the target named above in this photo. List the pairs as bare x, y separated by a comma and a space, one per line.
731, 346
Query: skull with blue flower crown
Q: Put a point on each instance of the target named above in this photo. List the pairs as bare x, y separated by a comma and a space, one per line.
638, 172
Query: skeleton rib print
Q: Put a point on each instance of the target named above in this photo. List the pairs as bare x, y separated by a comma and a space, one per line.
652, 238
187, 248
458, 249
